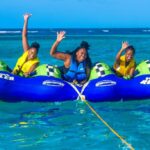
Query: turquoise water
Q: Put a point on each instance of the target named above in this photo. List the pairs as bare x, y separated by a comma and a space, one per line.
71, 125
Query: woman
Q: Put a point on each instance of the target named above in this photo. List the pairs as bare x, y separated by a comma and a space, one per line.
125, 65
27, 63
77, 64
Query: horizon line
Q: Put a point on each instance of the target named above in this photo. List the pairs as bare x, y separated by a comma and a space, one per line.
80, 28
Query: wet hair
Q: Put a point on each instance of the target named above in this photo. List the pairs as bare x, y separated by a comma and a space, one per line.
35, 45
131, 48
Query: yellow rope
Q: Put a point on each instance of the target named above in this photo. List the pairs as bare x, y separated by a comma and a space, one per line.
105, 123
101, 119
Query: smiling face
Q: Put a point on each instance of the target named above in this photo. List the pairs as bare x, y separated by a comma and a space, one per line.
32, 53
81, 55
129, 55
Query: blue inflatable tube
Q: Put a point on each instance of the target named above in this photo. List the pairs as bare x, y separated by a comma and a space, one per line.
50, 89
102, 89
41, 89
136, 88
113, 88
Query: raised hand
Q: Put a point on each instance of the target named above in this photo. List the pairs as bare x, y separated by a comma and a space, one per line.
60, 36
27, 16
125, 44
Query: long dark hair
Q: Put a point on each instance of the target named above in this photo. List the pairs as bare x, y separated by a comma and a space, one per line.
85, 45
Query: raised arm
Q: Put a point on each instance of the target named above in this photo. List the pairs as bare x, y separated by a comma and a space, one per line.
24, 33
53, 50
124, 46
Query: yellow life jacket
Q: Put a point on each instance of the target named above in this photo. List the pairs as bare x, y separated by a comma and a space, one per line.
122, 69
22, 65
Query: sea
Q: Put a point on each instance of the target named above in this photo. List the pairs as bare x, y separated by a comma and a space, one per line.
71, 125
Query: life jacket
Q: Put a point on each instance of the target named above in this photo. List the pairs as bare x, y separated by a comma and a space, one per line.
122, 69
76, 72
22, 65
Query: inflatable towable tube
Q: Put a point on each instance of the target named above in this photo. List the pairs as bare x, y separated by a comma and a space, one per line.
47, 86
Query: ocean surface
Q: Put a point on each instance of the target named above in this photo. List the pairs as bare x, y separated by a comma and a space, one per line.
71, 125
